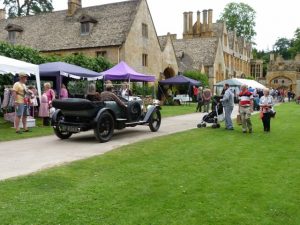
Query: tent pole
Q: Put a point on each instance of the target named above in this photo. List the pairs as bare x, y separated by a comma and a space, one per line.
38, 84
128, 87
161, 90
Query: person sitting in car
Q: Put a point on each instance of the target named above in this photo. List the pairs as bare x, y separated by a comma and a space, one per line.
108, 95
92, 94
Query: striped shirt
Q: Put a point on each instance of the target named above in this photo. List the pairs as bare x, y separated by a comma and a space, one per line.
245, 98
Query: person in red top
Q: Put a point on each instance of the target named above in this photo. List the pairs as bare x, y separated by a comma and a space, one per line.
246, 108
195, 92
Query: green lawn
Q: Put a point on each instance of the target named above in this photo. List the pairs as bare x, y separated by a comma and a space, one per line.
7, 133
204, 176
177, 110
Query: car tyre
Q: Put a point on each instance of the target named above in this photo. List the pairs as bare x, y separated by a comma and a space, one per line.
155, 121
104, 128
58, 132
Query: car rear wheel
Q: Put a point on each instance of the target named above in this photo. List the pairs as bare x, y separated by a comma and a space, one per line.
155, 121
104, 128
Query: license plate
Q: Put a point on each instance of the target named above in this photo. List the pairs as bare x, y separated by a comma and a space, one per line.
69, 128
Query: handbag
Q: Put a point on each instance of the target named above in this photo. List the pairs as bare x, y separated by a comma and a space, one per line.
272, 113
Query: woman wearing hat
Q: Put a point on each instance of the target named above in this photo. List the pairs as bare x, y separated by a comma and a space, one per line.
19, 91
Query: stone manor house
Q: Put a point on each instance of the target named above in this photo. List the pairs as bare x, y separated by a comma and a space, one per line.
125, 31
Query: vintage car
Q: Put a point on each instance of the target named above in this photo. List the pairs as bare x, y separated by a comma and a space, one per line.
75, 115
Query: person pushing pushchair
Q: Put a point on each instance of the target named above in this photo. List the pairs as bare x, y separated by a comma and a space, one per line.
215, 116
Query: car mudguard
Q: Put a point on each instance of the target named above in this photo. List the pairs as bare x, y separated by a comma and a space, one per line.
54, 117
100, 112
150, 110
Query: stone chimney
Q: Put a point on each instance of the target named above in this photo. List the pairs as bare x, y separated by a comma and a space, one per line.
73, 5
185, 22
204, 27
190, 22
210, 16
2, 14
198, 23
272, 58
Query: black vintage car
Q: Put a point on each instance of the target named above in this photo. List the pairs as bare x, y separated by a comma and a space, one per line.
75, 115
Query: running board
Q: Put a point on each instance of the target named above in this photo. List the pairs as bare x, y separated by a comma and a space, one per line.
135, 123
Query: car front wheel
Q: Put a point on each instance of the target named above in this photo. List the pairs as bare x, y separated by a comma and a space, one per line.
104, 128
155, 121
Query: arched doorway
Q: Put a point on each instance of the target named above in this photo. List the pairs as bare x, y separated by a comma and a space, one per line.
282, 82
169, 72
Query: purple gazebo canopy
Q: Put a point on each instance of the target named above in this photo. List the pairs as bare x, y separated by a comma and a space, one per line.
122, 71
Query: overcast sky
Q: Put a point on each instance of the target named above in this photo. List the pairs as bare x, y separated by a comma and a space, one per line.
274, 19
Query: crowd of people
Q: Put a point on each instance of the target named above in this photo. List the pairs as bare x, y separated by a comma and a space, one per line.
249, 100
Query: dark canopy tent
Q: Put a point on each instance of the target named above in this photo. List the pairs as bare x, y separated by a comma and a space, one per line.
57, 70
122, 71
179, 80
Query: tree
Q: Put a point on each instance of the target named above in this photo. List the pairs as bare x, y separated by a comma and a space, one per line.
282, 46
295, 44
17, 8
196, 75
240, 17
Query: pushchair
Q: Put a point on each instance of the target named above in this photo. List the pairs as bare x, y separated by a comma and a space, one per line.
215, 116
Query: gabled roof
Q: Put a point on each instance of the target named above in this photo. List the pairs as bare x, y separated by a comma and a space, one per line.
193, 53
241, 44
162, 41
218, 28
231, 37
57, 31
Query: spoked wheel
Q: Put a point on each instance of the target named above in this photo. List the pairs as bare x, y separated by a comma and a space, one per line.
155, 121
104, 128
61, 134
58, 131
